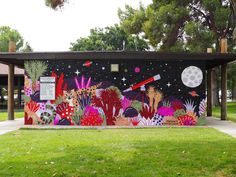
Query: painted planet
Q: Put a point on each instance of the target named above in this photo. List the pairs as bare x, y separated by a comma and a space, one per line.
88, 63
137, 69
192, 76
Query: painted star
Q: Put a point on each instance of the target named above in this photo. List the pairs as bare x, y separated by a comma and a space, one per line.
77, 72
123, 79
103, 68
168, 84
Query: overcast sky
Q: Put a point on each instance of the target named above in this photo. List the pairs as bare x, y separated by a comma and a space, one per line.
49, 30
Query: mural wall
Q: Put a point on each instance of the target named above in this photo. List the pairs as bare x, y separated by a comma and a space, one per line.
115, 92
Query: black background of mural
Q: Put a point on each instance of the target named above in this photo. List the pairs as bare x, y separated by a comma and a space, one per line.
170, 83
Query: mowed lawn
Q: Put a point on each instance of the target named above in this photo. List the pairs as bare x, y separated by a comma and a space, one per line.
118, 152
17, 114
231, 111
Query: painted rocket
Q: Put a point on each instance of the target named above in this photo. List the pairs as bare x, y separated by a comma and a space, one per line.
140, 84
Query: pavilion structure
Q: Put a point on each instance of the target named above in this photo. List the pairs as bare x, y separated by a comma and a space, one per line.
211, 60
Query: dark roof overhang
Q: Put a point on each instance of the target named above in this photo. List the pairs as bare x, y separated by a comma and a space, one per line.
212, 60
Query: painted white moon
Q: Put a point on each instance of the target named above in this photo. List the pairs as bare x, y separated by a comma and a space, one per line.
192, 76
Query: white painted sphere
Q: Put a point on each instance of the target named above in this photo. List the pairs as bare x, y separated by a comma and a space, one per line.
192, 76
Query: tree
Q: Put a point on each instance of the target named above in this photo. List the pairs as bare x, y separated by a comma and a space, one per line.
174, 25
7, 34
232, 80
26, 48
111, 38
55, 4
190, 25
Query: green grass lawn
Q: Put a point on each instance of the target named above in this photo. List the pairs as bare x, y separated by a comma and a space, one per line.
118, 152
231, 111
4, 114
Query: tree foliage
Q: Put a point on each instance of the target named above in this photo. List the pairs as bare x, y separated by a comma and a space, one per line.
111, 38
55, 4
174, 25
232, 80
7, 34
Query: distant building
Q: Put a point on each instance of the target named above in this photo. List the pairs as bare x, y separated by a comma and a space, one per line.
19, 86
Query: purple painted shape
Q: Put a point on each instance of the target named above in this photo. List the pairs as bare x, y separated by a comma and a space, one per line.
166, 111
82, 82
88, 82
77, 83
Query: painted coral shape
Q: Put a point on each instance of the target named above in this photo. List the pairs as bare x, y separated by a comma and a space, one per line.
110, 102
147, 112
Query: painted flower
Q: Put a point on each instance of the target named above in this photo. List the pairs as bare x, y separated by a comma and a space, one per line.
91, 117
187, 120
65, 111
166, 110
57, 119
135, 121
146, 122
33, 106
125, 102
61, 107
28, 91
42, 106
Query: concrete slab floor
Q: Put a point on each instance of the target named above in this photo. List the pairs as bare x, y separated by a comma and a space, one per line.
11, 125
227, 127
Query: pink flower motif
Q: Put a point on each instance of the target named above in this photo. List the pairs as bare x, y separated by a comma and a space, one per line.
28, 91
166, 111
42, 106
57, 119
125, 103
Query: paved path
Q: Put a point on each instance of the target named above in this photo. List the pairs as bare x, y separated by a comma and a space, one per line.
227, 127
11, 125
223, 126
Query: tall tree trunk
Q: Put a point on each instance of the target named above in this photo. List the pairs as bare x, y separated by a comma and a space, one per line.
233, 90
215, 89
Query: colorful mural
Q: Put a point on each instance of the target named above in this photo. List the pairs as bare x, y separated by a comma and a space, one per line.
135, 93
